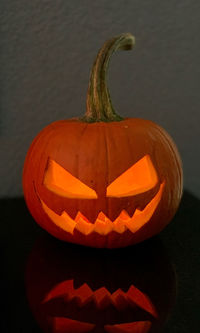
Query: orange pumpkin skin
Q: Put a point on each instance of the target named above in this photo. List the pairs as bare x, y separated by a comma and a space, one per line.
87, 156
97, 154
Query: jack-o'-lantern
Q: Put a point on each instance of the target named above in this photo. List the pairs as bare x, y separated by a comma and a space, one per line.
102, 180
72, 289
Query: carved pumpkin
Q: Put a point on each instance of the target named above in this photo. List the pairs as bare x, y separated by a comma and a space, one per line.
77, 290
102, 180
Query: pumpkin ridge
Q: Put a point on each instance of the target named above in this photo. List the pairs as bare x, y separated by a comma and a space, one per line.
107, 167
175, 153
78, 154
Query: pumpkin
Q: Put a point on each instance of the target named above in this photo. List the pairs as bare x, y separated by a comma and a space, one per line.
101, 180
72, 289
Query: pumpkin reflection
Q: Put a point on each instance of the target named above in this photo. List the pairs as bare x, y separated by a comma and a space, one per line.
73, 289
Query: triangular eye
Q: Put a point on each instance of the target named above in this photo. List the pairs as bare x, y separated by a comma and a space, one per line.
61, 182
139, 178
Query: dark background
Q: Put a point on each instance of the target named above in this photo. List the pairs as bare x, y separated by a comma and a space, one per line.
47, 49
19, 233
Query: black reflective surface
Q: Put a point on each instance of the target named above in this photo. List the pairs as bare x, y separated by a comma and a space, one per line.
177, 248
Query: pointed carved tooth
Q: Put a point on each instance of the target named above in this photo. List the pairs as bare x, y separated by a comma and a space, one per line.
119, 299
80, 217
102, 297
136, 297
137, 212
102, 224
119, 225
102, 228
141, 217
136, 222
83, 226
148, 211
102, 217
64, 221
83, 294
70, 223
124, 215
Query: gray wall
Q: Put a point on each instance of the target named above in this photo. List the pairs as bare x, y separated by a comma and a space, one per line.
47, 49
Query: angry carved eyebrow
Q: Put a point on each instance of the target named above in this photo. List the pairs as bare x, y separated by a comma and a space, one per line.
139, 178
63, 183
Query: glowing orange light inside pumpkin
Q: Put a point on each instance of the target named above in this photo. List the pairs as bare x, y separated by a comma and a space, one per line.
140, 178
60, 181
103, 225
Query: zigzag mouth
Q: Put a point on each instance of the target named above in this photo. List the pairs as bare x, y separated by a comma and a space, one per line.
101, 298
103, 225
69, 307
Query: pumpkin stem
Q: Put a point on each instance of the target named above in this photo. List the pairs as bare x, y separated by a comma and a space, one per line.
99, 105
